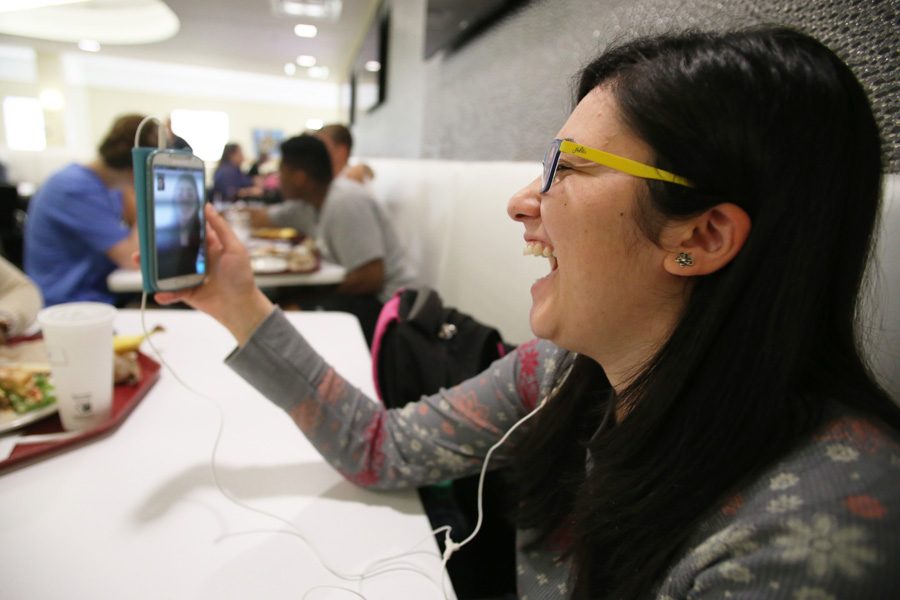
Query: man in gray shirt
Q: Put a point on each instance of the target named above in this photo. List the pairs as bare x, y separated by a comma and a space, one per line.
349, 226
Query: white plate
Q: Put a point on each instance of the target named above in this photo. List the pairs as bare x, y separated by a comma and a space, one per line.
10, 420
268, 264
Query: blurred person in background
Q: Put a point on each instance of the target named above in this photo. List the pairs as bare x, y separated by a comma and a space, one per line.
230, 183
349, 227
20, 301
81, 222
339, 142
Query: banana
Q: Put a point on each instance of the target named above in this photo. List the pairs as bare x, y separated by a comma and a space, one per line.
130, 343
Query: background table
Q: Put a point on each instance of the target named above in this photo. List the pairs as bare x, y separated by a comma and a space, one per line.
136, 514
129, 280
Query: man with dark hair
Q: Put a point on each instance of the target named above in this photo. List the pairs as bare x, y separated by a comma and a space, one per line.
349, 226
81, 222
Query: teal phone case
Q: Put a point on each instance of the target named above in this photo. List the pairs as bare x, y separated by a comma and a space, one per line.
141, 159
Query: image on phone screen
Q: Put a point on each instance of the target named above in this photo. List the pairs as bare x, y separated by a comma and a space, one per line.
179, 228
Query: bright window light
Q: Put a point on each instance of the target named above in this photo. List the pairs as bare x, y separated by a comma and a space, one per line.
305, 31
205, 130
52, 99
314, 124
24, 122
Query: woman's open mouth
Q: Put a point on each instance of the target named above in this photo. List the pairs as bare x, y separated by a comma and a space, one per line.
538, 248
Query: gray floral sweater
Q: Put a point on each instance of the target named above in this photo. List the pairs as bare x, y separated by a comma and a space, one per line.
822, 524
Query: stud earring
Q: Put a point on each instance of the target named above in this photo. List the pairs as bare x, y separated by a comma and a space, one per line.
684, 259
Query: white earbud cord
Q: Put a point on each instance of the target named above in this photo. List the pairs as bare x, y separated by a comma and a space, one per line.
449, 545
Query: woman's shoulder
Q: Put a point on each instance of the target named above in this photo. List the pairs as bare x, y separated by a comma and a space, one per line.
540, 367
849, 466
820, 522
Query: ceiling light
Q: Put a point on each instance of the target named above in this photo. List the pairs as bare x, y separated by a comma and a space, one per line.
314, 124
305, 60
373, 66
305, 31
290, 68
106, 21
13, 5
318, 72
89, 45
313, 9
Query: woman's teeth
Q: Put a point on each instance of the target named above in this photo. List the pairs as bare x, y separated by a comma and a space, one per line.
538, 249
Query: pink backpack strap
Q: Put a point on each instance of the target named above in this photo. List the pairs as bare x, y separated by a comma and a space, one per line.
390, 313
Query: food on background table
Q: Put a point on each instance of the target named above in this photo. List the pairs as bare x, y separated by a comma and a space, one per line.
299, 257
275, 233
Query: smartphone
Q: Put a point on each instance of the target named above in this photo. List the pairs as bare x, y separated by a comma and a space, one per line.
170, 192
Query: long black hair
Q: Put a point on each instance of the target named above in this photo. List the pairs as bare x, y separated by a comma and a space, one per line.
771, 120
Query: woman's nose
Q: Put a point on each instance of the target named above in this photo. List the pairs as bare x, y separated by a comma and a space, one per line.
526, 203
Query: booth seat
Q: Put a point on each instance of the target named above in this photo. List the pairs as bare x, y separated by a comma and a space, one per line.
451, 216
882, 313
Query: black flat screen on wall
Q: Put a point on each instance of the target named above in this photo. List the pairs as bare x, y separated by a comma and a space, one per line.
451, 23
368, 76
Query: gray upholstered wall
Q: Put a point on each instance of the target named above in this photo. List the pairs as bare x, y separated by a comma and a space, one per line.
504, 94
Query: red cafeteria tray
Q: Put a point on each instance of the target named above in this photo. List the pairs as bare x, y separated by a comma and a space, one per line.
125, 398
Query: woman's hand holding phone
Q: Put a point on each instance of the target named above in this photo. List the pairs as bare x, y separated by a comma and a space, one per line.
229, 293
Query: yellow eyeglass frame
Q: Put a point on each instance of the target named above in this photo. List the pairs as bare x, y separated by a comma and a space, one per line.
607, 159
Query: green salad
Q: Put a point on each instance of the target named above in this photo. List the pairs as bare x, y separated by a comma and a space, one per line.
24, 390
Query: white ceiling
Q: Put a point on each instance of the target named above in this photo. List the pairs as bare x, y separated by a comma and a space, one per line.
243, 35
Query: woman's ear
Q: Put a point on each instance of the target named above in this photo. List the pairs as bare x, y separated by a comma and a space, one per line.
706, 243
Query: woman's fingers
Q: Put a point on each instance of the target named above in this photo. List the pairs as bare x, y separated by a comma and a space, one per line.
165, 298
222, 231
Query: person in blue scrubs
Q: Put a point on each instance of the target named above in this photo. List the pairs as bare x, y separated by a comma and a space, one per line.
81, 223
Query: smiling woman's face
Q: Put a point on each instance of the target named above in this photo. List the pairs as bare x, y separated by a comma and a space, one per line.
187, 198
607, 295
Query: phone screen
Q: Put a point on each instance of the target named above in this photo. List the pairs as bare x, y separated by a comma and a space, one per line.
179, 227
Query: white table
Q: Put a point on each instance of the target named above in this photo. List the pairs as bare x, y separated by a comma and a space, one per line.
136, 515
129, 280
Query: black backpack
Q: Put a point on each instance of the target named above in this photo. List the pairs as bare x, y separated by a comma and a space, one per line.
421, 346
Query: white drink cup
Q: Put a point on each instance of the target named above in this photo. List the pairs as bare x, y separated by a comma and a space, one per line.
79, 341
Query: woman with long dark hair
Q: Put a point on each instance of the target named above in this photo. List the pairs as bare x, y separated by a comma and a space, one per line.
707, 425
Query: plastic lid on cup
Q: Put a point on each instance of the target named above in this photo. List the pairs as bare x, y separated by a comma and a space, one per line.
76, 314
